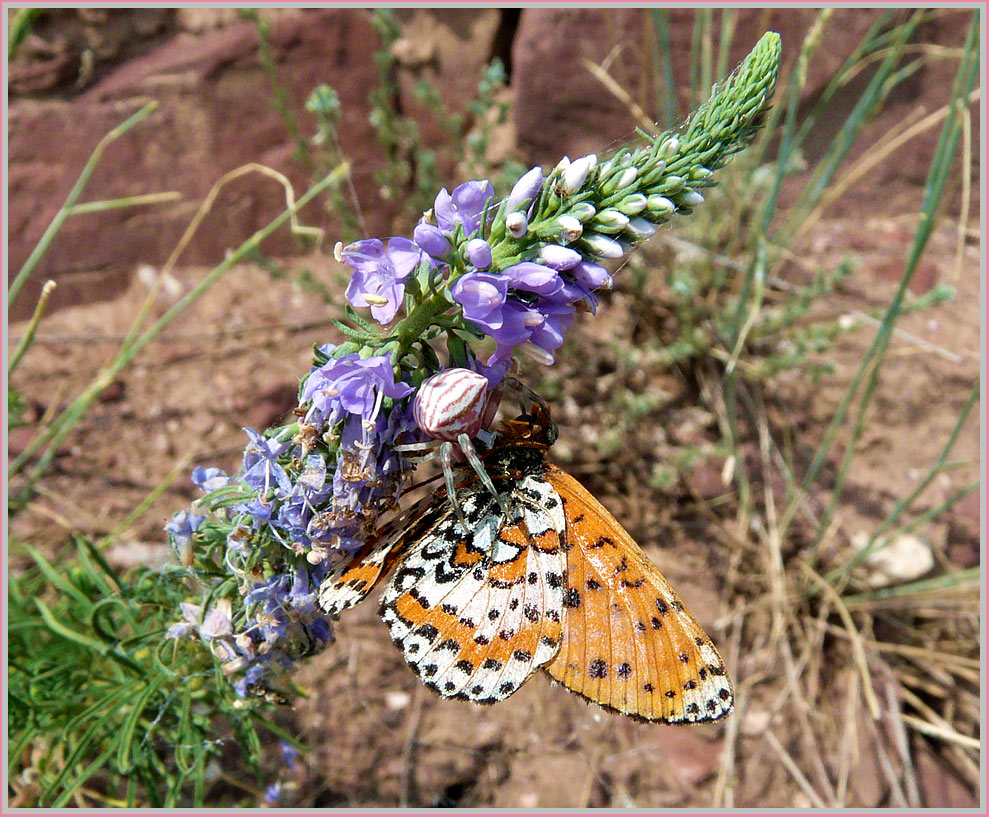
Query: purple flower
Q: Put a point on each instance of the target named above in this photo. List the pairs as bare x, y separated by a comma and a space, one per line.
548, 336
526, 189
464, 206
289, 753
481, 295
532, 277
273, 793
479, 253
354, 385
432, 240
379, 274
592, 276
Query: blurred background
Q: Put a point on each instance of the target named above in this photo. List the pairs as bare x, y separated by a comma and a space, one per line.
776, 400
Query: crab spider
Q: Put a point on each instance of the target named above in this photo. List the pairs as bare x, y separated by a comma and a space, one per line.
454, 407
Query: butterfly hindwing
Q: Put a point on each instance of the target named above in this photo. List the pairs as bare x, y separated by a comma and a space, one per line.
349, 581
476, 613
629, 643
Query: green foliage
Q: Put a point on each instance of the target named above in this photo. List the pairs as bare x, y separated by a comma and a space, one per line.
101, 701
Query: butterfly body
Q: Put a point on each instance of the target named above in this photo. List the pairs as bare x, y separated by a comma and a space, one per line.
545, 577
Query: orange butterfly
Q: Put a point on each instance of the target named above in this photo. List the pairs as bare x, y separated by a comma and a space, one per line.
555, 582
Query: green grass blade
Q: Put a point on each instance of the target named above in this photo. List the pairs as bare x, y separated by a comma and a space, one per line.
124, 762
56, 224
58, 580
869, 369
670, 105
962, 580
904, 504
847, 135
77, 782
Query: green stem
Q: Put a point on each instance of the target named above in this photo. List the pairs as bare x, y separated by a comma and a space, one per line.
60, 217
420, 319
62, 426
32, 327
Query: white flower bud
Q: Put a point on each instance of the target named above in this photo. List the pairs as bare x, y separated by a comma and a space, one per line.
575, 175
570, 228
562, 165
661, 206
669, 147
700, 173
628, 177
690, 198
641, 229
633, 205
602, 246
516, 224
610, 221
583, 211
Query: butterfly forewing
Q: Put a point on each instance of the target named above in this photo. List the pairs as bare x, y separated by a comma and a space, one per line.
476, 613
628, 642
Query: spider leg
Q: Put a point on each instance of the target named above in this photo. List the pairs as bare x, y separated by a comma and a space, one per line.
446, 458
428, 445
468, 448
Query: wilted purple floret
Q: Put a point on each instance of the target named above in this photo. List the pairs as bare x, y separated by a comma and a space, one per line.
183, 525
464, 206
261, 468
380, 273
209, 479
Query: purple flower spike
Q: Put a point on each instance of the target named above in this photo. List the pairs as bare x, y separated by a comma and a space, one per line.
379, 274
479, 253
464, 206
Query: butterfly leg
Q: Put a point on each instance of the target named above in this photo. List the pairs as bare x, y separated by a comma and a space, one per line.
523, 391
475, 461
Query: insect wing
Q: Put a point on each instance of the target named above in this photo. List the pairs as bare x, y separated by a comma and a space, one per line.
350, 581
629, 643
475, 614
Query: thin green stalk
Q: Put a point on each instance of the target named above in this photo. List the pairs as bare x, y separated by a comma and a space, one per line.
63, 425
791, 104
20, 28
903, 505
56, 224
872, 362
127, 201
670, 106
849, 132
32, 327
968, 578
729, 17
